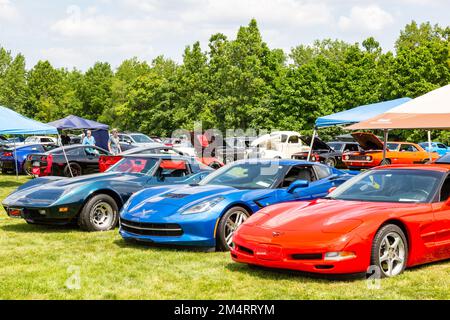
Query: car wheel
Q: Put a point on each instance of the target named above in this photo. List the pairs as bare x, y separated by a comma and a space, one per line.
4, 171
27, 168
229, 223
385, 162
214, 165
330, 162
100, 213
390, 251
76, 170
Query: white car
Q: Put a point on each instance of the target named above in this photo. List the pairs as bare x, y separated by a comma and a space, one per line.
277, 145
40, 140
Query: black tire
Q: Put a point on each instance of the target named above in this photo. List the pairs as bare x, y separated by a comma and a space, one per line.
331, 162
90, 218
385, 162
76, 170
378, 246
4, 171
27, 168
223, 230
215, 165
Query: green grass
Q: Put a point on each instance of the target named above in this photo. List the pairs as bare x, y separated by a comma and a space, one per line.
36, 261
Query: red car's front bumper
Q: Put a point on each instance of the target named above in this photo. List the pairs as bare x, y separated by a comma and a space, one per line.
310, 258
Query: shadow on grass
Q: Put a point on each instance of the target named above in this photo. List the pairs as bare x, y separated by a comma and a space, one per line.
431, 264
282, 274
142, 245
28, 228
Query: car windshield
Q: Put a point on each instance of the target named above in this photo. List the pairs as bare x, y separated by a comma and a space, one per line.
336, 146
144, 166
246, 175
393, 146
416, 186
141, 138
444, 159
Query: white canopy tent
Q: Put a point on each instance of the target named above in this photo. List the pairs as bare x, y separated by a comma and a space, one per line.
430, 111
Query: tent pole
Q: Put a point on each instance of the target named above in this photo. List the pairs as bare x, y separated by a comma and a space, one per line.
65, 155
312, 144
429, 145
15, 159
386, 135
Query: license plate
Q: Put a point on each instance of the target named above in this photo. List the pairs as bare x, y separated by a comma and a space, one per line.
268, 252
15, 213
36, 164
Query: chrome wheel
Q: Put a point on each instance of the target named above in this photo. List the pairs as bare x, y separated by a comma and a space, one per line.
102, 214
392, 254
233, 222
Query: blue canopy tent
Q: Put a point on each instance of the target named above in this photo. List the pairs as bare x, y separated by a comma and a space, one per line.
13, 123
99, 130
355, 115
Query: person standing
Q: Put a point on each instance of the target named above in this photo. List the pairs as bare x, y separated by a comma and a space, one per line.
114, 143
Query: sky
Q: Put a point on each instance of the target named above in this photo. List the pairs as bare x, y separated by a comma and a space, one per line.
78, 33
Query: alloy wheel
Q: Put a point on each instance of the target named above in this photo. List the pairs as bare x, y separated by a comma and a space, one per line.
392, 254
233, 222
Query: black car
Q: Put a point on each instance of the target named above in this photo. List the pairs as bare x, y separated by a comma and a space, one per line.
327, 153
83, 160
234, 149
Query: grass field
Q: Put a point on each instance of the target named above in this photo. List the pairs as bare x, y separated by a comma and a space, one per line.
65, 263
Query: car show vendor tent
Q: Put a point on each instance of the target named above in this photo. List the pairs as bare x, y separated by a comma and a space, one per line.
13, 123
355, 115
99, 130
429, 111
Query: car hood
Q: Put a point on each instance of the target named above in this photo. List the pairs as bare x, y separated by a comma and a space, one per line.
322, 215
318, 143
45, 191
177, 197
368, 141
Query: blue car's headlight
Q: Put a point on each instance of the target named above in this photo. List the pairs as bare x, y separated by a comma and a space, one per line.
203, 206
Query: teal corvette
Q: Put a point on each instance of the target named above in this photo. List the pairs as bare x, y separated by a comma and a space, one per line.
94, 201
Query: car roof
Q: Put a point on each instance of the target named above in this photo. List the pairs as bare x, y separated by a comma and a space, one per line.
160, 156
284, 162
150, 146
428, 167
347, 142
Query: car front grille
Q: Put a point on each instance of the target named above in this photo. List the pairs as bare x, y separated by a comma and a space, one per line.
152, 229
357, 158
307, 256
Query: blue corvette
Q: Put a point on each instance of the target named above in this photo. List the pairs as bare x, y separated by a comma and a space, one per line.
94, 201
206, 214
8, 156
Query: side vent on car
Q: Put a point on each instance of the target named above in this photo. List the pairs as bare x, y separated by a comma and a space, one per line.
175, 195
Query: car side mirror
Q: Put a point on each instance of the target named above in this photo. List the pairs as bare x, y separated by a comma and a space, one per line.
297, 185
332, 189
447, 203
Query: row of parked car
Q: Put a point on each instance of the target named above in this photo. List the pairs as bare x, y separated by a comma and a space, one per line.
277, 213
41, 156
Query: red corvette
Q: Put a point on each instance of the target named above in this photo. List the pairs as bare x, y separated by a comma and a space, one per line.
385, 219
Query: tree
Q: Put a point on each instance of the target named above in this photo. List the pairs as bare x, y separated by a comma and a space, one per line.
95, 91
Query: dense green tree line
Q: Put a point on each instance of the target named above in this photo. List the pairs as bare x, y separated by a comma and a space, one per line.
235, 83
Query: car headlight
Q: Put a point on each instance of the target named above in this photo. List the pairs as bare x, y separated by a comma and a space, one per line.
203, 206
339, 256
